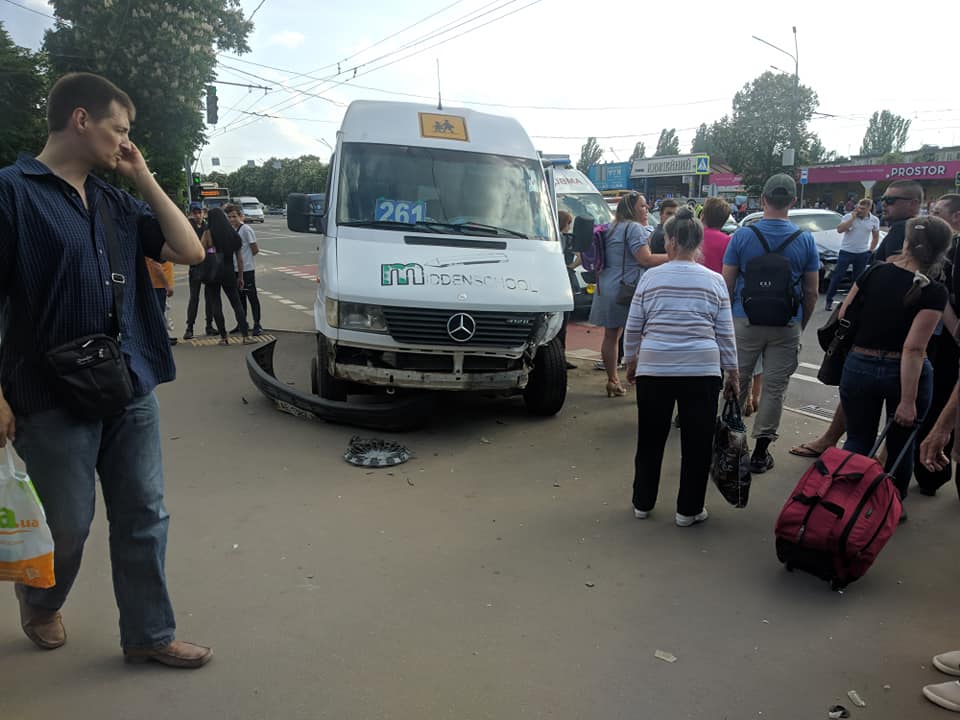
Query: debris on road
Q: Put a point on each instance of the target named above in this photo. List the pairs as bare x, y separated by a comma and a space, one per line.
856, 699
374, 452
837, 712
665, 656
590, 584
484, 441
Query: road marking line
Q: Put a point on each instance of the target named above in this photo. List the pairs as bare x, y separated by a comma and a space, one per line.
805, 378
268, 252
809, 366
285, 301
308, 312
300, 307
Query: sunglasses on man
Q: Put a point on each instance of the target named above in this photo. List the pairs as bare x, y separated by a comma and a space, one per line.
892, 199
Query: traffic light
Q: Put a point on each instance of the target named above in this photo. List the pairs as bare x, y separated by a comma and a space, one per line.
196, 178
212, 105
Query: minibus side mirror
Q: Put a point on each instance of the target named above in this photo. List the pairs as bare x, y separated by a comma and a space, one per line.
582, 234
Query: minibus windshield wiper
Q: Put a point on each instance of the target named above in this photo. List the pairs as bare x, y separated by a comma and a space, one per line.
394, 225
464, 228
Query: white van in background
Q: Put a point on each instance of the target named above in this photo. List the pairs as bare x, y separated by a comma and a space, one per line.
579, 197
252, 208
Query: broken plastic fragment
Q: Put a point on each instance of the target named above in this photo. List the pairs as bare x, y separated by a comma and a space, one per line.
837, 712
856, 699
665, 656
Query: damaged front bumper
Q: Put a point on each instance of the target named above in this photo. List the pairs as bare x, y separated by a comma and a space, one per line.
386, 413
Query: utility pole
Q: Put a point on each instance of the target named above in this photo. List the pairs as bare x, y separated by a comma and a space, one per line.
186, 174
795, 110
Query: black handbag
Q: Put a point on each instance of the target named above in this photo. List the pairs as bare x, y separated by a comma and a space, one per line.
212, 268
625, 291
89, 373
836, 336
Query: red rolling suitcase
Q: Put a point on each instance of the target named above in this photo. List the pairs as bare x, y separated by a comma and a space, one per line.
840, 515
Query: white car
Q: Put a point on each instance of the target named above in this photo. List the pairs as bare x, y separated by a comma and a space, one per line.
822, 224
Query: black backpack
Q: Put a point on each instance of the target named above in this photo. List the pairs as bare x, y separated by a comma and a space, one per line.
769, 291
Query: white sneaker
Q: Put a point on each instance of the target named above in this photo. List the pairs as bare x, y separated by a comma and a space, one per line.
641, 514
688, 520
948, 662
946, 695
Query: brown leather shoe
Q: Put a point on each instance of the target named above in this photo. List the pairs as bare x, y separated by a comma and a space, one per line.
177, 654
44, 627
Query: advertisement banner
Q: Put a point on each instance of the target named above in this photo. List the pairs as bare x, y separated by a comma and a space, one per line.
945, 170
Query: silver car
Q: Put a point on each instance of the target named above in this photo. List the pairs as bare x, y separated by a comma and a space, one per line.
822, 224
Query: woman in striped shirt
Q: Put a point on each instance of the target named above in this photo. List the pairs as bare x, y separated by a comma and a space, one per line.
679, 343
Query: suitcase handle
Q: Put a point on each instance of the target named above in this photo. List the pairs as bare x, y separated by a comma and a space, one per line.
883, 435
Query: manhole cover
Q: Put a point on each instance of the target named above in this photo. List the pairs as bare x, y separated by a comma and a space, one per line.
374, 452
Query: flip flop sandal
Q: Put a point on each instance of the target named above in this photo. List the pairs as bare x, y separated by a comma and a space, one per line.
805, 451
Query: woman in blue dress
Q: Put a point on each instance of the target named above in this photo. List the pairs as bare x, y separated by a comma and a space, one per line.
622, 264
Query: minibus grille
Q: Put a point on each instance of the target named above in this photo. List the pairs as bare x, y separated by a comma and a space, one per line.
429, 326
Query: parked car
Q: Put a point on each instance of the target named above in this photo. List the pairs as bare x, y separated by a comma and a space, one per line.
823, 225
276, 210
252, 209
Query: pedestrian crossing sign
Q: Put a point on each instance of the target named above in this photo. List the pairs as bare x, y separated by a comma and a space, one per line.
703, 165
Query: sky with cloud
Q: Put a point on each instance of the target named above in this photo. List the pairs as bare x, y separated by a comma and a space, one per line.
567, 69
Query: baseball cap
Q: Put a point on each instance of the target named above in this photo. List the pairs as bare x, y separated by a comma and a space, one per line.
780, 186
195, 206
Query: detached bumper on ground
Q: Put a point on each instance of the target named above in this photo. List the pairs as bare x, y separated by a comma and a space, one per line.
392, 414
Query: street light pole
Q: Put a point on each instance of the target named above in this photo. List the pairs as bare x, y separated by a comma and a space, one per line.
796, 86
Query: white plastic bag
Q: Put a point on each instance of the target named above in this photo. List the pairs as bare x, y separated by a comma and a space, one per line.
26, 545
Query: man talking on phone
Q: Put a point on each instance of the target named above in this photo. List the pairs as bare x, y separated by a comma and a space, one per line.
72, 251
861, 233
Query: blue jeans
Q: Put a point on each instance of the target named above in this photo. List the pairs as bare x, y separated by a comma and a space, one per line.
844, 260
63, 455
867, 383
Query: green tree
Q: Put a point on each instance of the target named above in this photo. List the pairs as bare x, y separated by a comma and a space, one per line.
271, 184
590, 154
764, 123
23, 91
668, 144
886, 133
639, 151
162, 54
706, 140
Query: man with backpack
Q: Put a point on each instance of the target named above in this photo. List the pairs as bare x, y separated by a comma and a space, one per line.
772, 272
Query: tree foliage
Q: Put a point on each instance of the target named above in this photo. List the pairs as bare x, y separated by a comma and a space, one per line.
706, 140
590, 154
161, 53
886, 133
23, 93
763, 124
271, 185
639, 151
668, 144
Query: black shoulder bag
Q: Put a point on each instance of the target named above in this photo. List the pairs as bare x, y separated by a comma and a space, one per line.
625, 291
89, 374
836, 336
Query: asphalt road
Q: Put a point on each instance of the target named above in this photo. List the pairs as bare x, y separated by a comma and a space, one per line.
497, 574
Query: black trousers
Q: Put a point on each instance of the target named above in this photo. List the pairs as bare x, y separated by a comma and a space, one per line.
195, 286
944, 356
249, 293
697, 399
228, 284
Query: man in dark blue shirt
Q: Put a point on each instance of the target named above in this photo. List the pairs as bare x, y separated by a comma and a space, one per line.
56, 284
